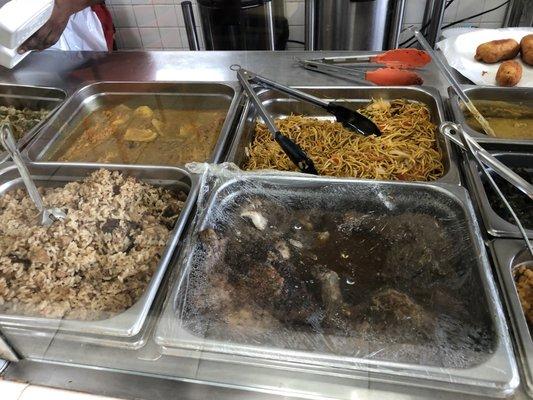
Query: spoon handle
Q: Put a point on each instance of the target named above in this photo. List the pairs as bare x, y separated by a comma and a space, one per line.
8, 141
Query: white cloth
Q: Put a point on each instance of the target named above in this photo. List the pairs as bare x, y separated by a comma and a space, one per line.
83, 33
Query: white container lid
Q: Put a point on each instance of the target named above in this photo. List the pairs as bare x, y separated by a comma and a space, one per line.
19, 19
10, 57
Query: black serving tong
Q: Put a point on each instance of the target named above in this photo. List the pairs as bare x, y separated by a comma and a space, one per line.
291, 149
350, 119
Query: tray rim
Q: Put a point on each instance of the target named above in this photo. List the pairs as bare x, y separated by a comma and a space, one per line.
451, 176
129, 323
459, 117
503, 252
503, 351
494, 224
29, 135
216, 155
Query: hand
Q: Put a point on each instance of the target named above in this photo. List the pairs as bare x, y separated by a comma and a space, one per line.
51, 31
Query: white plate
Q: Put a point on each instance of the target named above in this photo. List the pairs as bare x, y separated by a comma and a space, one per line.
460, 50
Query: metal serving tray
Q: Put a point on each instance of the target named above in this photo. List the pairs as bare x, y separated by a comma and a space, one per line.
476, 181
495, 375
512, 95
130, 322
507, 254
33, 97
203, 96
280, 105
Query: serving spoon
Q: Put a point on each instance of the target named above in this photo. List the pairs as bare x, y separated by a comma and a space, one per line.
47, 216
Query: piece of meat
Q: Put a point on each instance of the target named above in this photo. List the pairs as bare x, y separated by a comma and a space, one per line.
526, 49
497, 50
391, 309
265, 281
329, 288
259, 221
417, 247
509, 73
213, 246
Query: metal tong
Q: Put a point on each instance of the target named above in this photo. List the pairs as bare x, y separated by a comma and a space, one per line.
397, 58
484, 159
350, 119
448, 74
47, 216
291, 149
455, 133
354, 68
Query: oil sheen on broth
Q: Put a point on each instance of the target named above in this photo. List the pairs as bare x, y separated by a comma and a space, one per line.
142, 134
508, 120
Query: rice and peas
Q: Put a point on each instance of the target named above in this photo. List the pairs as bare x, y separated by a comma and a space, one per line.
97, 262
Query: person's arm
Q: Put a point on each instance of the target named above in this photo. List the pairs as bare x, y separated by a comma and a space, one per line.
50, 32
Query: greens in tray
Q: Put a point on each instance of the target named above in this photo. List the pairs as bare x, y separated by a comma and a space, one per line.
21, 120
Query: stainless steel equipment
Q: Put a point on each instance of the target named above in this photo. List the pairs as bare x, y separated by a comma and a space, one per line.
183, 95
47, 216
447, 72
190, 26
123, 328
519, 13
179, 333
238, 24
280, 105
433, 17
518, 96
508, 255
455, 133
495, 224
353, 24
34, 98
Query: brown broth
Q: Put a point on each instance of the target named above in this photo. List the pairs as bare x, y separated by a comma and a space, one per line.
142, 135
508, 120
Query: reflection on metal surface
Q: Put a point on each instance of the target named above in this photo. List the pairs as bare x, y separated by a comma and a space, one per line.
124, 327
6, 353
279, 105
507, 255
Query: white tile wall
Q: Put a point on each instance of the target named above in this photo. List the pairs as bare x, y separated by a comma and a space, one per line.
158, 24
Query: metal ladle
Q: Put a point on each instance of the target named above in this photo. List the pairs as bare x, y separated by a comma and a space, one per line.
47, 216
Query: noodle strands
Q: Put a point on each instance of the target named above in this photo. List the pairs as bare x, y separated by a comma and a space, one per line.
406, 150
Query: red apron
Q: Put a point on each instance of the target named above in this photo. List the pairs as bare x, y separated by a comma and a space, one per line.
104, 16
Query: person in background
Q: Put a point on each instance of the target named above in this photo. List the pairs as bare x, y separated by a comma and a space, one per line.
63, 11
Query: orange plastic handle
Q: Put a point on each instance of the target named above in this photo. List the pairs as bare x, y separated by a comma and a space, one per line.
393, 77
403, 58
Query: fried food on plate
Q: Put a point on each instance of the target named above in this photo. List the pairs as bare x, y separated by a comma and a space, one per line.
526, 49
497, 50
509, 73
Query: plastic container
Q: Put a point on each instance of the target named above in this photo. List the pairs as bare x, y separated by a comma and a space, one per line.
19, 19
10, 57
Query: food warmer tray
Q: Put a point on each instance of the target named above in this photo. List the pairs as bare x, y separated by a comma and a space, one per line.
33, 97
203, 96
476, 181
496, 375
511, 94
507, 254
279, 105
127, 325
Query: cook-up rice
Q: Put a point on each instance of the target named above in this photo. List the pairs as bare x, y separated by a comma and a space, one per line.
92, 265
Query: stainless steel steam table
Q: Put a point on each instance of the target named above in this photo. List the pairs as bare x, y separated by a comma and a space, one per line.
72, 70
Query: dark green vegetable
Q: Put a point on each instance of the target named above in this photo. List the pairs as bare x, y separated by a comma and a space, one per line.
522, 205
